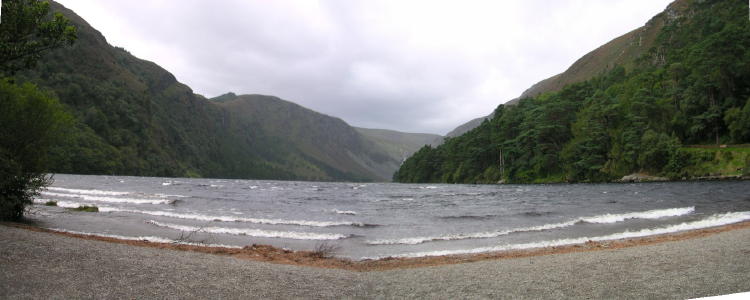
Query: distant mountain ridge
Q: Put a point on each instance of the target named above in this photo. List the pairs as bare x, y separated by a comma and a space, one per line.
398, 144
134, 118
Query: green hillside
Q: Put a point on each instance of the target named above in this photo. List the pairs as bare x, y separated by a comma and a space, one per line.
134, 118
621, 51
691, 86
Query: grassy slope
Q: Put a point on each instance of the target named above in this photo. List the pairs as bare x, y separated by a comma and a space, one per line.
712, 161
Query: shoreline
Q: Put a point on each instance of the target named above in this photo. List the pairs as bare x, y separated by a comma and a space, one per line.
271, 254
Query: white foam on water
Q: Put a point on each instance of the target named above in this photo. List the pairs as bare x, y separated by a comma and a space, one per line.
252, 232
61, 203
600, 219
463, 236
345, 212
86, 192
153, 239
651, 214
711, 221
109, 199
200, 217
169, 196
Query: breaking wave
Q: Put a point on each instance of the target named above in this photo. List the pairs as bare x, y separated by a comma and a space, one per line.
153, 239
200, 217
86, 192
711, 221
600, 219
345, 212
253, 232
109, 199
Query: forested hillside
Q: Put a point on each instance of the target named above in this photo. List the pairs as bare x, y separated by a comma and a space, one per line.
132, 117
692, 86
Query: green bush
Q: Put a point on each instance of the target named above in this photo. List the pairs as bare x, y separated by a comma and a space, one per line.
30, 123
86, 208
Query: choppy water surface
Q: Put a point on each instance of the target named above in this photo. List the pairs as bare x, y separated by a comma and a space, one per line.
385, 219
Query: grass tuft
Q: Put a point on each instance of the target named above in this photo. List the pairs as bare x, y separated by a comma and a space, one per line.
50, 203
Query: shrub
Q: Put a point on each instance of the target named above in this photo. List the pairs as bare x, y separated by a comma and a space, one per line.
86, 208
50, 203
325, 250
30, 123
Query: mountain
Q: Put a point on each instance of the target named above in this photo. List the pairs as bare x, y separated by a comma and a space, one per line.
134, 118
326, 141
622, 51
399, 145
652, 101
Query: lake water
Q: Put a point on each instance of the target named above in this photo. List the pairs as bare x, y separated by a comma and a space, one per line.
374, 220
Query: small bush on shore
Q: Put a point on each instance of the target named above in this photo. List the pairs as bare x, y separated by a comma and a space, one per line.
50, 203
86, 208
325, 250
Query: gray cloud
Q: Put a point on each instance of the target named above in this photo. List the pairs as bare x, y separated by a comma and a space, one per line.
417, 66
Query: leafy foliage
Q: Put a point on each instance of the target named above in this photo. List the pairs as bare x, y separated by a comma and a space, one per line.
691, 87
31, 121
27, 31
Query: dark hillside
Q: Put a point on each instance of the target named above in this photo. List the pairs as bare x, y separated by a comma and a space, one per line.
691, 86
134, 118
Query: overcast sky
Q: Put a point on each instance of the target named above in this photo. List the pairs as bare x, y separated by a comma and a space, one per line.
415, 66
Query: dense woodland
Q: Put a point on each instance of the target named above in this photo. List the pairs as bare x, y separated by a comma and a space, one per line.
692, 87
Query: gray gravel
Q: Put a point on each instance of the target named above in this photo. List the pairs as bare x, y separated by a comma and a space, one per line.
43, 265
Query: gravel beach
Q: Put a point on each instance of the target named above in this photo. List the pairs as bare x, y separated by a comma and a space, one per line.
48, 265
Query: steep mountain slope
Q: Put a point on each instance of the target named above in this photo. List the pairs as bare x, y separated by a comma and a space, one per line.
691, 86
322, 143
399, 145
622, 51
135, 118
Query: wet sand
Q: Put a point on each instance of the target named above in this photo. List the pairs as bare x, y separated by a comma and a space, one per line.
38, 263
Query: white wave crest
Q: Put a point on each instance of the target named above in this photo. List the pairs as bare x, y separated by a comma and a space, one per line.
63, 204
153, 239
253, 232
463, 236
200, 217
86, 192
651, 214
711, 221
109, 199
600, 219
344, 212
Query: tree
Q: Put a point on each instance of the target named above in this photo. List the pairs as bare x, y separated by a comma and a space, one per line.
31, 121
27, 31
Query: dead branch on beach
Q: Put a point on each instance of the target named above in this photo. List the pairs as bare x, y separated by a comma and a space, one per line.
325, 250
188, 237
